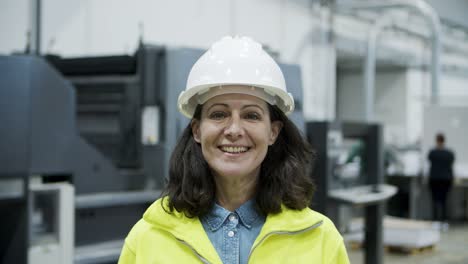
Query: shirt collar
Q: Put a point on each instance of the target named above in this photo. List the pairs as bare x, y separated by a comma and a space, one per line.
217, 216
248, 213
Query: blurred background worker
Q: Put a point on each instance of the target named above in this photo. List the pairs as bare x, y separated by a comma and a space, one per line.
440, 177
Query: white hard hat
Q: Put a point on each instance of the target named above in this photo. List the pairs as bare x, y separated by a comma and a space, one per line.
235, 65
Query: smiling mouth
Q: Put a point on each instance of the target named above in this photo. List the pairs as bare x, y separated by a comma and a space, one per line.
233, 150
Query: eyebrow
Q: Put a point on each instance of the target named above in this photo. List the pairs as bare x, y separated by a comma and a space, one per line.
254, 105
243, 107
216, 104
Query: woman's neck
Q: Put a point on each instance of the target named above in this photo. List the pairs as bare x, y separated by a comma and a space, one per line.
232, 193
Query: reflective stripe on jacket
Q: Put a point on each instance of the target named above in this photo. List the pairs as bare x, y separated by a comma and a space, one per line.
291, 236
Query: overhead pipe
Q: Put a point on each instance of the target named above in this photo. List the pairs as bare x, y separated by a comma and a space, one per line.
34, 34
369, 66
403, 26
433, 20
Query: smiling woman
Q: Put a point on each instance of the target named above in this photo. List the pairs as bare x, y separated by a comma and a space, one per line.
238, 189
234, 132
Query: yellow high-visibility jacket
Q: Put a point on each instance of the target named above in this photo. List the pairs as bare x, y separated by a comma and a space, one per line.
291, 236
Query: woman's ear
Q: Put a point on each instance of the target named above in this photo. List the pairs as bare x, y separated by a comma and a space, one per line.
195, 124
276, 127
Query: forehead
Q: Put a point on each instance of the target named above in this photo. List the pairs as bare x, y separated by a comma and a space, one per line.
236, 100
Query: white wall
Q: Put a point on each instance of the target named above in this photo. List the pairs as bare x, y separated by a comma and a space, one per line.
350, 99
418, 95
454, 89
112, 26
13, 25
391, 104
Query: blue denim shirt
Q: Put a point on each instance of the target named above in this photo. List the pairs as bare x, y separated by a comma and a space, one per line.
233, 233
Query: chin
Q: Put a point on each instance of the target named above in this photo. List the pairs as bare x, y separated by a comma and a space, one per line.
233, 171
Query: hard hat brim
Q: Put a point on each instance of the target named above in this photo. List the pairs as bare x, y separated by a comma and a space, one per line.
189, 99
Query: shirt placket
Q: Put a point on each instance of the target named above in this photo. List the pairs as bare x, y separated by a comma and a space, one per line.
231, 239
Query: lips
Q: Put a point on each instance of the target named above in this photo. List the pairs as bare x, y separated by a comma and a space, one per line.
234, 149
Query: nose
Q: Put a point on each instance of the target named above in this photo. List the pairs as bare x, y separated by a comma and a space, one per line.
234, 129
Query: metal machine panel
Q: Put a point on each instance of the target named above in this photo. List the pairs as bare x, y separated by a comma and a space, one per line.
92, 172
367, 190
14, 159
292, 76
36, 134
14, 115
178, 63
52, 129
14, 231
329, 139
52, 221
33, 139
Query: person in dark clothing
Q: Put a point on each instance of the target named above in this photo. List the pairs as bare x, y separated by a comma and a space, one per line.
440, 177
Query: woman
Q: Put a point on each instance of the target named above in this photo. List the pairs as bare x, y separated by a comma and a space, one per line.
238, 191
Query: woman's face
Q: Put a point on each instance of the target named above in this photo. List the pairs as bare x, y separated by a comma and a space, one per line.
234, 132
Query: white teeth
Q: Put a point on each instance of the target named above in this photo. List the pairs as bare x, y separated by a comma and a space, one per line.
234, 149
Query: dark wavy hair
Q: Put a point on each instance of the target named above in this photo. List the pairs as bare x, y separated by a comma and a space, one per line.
284, 174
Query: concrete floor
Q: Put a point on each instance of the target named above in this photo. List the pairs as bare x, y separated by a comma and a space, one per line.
452, 249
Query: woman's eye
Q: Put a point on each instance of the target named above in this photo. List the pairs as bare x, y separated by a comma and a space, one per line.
217, 115
253, 116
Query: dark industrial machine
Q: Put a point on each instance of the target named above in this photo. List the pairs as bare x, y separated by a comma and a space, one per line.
125, 111
38, 137
349, 171
125, 108
106, 125
87, 129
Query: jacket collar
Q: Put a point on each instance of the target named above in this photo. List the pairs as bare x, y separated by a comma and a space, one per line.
191, 230
290, 220
188, 230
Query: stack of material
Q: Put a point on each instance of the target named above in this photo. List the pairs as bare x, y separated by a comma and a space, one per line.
399, 232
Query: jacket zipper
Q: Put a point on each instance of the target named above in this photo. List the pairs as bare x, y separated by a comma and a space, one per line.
284, 232
200, 257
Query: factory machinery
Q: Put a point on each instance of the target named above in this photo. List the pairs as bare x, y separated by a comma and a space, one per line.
85, 146
349, 171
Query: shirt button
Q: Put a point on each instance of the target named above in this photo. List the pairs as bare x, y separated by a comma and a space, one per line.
232, 218
230, 233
